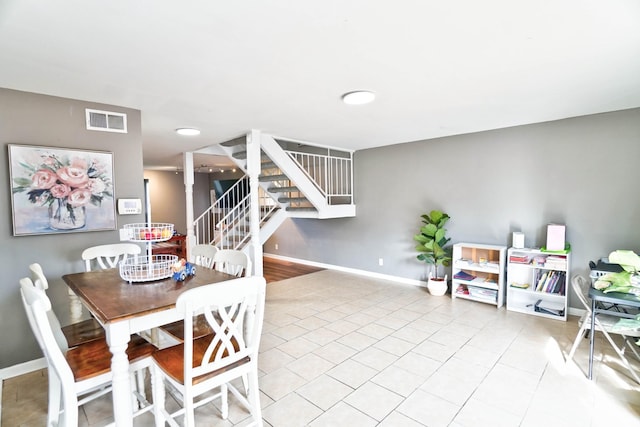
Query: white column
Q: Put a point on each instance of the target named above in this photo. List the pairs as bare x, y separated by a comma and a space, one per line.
253, 169
188, 189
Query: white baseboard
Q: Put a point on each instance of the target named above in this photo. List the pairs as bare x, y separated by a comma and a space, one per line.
22, 368
402, 280
396, 279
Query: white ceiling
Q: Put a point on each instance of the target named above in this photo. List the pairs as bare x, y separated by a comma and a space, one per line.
438, 67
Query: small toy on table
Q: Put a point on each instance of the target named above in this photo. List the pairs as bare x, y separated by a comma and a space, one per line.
181, 269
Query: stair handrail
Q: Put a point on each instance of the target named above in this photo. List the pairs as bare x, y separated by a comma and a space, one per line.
204, 224
321, 168
230, 233
224, 231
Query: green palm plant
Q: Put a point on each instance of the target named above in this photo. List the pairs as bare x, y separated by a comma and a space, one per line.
432, 240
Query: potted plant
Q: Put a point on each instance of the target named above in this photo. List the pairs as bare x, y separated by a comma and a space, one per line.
431, 245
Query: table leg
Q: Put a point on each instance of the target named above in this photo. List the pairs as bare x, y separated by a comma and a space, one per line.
75, 307
592, 336
118, 337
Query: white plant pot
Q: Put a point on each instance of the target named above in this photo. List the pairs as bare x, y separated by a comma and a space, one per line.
437, 286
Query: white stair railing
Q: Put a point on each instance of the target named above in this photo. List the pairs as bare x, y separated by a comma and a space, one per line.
226, 223
332, 174
205, 226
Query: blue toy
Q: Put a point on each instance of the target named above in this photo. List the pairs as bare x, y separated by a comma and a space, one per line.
183, 269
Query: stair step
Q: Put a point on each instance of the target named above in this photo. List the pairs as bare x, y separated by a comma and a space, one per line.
234, 142
293, 199
242, 155
301, 209
268, 165
290, 189
271, 178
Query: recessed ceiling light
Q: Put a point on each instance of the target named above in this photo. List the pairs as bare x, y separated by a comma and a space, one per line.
358, 97
188, 131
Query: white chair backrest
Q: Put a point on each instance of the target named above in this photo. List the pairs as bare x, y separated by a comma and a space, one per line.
233, 262
234, 310
204, 255
37, 274
108, 256
38, 277
37, 307
580, 287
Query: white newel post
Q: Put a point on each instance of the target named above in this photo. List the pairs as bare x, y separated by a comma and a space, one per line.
188, 189
253, 169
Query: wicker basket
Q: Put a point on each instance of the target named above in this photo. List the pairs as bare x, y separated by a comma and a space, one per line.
149, 232
147, 269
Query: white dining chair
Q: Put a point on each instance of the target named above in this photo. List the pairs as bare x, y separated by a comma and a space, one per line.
100, 257
201, 365
603, 323
75, 333
80, 374
103, 257
78, 333
232, 261
203, 255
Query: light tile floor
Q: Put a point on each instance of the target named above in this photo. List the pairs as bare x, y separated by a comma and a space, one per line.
343, 350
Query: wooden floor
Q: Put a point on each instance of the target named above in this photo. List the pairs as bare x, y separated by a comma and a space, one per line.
275, 269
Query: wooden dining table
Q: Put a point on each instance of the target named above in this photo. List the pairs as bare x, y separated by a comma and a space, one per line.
123, 309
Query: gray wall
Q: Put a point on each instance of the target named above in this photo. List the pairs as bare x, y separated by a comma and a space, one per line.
167, 197
582, 172
32, 119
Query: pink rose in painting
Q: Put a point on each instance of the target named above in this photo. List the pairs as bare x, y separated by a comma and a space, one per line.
79, 197
73, 177
43, 179
60, 191
96, 186
79, 163
50, 161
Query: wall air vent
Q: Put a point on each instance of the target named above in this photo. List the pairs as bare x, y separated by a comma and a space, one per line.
106, 121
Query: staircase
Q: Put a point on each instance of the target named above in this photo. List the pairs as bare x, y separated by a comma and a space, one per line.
296, 180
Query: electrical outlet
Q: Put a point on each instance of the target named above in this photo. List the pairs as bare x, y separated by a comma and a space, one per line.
276, 246
380, 262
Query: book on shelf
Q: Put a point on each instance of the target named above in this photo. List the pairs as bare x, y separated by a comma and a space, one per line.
556, 262
551, 282
519, 257
519, 285
552, 279
463, 275
541, 280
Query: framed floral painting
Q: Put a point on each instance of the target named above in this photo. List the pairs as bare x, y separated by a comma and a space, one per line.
59, 190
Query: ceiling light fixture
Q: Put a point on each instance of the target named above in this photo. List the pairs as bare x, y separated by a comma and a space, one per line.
188, 131
358, 97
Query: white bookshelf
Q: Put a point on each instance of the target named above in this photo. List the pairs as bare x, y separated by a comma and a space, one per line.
542, 279
478, 272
